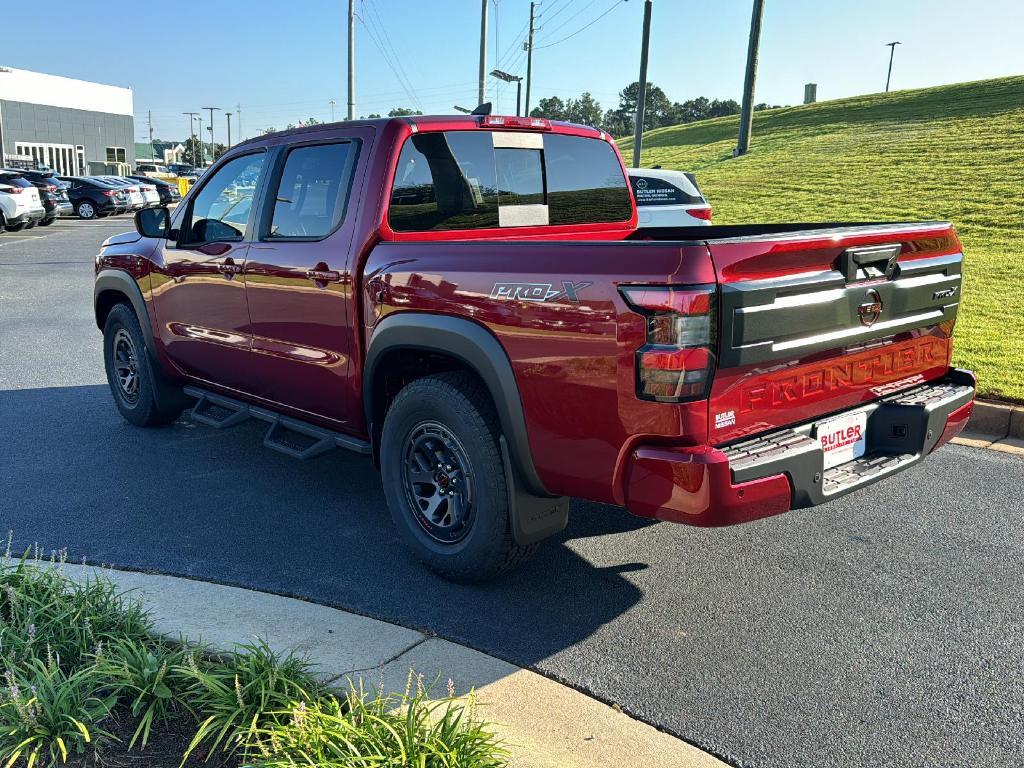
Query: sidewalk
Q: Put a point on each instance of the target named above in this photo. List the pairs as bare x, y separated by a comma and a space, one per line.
545, 724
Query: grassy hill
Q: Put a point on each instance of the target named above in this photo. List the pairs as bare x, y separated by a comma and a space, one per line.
955, 152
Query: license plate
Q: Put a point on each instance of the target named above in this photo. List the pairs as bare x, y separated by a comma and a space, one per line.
843, 438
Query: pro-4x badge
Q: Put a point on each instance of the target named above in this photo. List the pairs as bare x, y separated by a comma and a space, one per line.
539, 291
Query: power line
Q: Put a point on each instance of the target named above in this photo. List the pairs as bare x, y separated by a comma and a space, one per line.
387, 58
584, 27
382, 28
567, 19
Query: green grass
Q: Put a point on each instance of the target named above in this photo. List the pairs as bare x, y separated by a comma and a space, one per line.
954, 152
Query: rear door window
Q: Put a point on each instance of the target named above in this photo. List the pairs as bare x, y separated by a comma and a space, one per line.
651, 190
313, 191
460, 180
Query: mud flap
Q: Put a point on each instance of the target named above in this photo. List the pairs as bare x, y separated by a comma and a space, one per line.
533, 517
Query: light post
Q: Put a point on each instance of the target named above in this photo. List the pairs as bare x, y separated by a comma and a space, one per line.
213, 147
892, 52
511, 79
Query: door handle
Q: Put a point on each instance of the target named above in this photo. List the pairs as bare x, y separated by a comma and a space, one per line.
324, 275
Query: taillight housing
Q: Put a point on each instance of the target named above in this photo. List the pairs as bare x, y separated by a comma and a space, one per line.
677, 362
701, 213
110, 193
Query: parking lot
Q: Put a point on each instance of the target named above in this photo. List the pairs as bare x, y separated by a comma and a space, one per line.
882, 629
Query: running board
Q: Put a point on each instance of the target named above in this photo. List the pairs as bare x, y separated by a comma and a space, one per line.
293, 437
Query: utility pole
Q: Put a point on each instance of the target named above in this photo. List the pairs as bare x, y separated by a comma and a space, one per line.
149, 120
747, 111
213, 146
192, 130
238, 111
228, 116
892, 52
641, 96
481, 91
331, 102
529, 58
351, 59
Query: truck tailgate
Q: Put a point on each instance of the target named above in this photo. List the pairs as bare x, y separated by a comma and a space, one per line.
816, 322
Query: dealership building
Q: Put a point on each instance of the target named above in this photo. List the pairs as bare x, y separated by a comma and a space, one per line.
72, 126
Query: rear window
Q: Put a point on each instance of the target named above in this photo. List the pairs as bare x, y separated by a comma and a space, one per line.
14, 181
459, 180
651, 190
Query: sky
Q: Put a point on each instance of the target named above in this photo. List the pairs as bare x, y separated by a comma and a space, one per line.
285, 61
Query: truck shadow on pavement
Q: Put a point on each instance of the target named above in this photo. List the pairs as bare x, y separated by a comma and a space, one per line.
192, 501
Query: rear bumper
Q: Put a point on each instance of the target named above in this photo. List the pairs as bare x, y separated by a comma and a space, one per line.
34, 214
784, 470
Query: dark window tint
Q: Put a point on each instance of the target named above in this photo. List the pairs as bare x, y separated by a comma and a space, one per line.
458, 180
313, 190
14, 181
221, 209
585, 181
445, 181
650, 190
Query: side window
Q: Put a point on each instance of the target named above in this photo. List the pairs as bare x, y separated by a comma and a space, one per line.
585, 181
222, 207
445, 181
313, 191
650, 190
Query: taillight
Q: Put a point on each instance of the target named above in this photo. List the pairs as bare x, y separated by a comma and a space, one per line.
110, 192
678, 361
505, 121
51, 188
700, 213
16, 190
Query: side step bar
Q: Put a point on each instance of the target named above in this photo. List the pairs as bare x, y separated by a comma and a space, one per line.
293, 437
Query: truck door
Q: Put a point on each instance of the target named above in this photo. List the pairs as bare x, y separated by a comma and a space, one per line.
199, 294
299, 277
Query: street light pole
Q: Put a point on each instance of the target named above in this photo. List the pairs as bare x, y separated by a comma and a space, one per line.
228, 116
510, 79
747, 111
351, 59
331, 102
481, 92
192, 130
641, 96
213, 146
892, 52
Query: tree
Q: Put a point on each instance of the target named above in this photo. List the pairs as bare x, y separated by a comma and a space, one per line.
722, 108
193, 154
657, 107
403, 112
552, 108
584, 110
303, 123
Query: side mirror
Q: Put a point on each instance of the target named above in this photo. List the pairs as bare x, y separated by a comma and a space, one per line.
153, 222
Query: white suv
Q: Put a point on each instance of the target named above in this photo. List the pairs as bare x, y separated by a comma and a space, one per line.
20, 204
668, 199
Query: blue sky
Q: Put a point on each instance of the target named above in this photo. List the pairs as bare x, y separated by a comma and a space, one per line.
283, 62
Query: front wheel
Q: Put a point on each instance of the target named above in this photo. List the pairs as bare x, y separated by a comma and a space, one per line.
46, 222
444, 478
130, 374
86, 210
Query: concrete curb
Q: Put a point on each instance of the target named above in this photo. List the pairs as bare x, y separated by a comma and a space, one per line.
545, 724
998, 426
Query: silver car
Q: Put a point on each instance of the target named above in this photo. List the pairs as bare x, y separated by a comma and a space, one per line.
668, 199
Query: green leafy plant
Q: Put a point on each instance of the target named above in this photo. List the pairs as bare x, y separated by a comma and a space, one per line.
243, 693
148, 677
48, 715
358, 730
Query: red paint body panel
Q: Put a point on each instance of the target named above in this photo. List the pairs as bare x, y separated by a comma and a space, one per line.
955, 424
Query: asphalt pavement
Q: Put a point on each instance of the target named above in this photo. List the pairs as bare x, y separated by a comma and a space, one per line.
881, 629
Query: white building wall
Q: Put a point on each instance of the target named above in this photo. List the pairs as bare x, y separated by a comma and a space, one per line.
28, 87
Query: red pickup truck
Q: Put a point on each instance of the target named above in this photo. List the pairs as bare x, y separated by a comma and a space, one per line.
468, 301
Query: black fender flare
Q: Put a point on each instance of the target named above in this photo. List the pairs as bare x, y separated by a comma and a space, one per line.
119, 281
480, 351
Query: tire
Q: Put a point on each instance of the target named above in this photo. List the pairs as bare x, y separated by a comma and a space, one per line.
130, 374
449, 417
86, 209
3, 223
29, 224
15, 227
46, 222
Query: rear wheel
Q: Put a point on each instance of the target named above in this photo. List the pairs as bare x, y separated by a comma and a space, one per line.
16, 227
86, 210
130, 373
444, 478
46, 222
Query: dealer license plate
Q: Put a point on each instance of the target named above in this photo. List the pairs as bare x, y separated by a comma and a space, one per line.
843, 438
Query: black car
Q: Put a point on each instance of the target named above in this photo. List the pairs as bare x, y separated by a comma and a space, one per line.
52, 193
169, 194
92, 197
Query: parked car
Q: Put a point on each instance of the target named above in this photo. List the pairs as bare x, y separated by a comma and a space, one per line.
52, 193
136, 201
507, 338
92, 197
668, 198
181, 169
145, 186
20, 204
142, 168
167, 190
